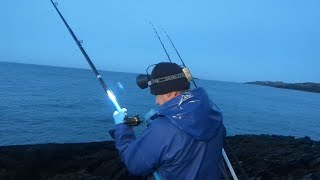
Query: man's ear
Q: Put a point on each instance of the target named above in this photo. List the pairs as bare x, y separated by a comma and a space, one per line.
168, 95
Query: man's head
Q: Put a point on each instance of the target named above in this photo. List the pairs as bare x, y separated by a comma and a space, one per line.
167, 81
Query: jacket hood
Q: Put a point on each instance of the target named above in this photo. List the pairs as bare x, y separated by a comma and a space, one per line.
193, 112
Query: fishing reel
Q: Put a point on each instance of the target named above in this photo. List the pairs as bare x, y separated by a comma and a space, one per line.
132, 120
144, 80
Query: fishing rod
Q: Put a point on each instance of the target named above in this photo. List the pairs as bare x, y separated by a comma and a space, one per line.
178, 54
130, 120
161, 42
185, 69
224, 154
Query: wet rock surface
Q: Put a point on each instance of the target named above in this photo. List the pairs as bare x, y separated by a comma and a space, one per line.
259, 156
274, 157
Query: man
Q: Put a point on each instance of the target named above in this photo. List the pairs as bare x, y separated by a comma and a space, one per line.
185, 137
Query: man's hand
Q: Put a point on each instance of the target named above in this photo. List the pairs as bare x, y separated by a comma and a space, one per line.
118, 116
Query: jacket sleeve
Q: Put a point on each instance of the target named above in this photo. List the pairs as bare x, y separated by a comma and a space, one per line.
141, 155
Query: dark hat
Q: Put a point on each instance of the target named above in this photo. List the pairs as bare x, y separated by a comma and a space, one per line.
167, 77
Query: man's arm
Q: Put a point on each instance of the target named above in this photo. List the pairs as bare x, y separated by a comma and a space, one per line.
141, 155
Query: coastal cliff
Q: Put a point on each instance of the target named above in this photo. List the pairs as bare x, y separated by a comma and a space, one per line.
259, 156
307, 86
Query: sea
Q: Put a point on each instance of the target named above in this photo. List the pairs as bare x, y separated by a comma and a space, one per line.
46, 104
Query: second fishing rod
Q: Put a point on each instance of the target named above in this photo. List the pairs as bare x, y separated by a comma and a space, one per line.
185, 69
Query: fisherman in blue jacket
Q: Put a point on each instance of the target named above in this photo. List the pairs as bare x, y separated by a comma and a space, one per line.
185, 137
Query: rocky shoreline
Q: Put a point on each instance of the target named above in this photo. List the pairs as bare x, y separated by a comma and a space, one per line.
307, 86
259, 156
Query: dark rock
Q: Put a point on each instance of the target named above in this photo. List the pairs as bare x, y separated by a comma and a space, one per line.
253, 157
281, 157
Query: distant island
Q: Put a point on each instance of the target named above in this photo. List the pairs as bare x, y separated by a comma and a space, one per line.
307, 86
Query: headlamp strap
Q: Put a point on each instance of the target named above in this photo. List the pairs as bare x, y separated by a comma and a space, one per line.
167, 78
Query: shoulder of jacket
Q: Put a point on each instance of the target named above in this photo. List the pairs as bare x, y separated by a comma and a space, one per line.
162, 122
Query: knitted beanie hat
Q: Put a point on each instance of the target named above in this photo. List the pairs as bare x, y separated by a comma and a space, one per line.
167, 77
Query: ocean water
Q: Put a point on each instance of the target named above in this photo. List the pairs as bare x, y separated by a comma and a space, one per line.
43, 104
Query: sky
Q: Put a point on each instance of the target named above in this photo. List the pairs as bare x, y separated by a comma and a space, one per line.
225, 40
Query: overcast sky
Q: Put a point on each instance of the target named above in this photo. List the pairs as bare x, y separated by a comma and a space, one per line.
226, 40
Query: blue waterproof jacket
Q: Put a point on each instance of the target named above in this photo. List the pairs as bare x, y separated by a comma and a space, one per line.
183, 141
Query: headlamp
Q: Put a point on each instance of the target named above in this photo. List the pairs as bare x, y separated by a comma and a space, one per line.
142, 80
